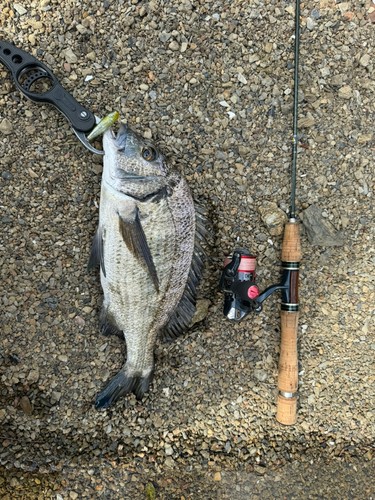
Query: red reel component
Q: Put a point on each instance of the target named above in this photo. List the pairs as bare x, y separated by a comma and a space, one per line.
238, 283
253, 292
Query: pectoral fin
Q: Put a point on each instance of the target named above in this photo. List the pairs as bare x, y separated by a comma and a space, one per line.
96, 254
135, 239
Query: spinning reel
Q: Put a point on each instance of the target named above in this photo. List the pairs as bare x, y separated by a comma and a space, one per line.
242, 295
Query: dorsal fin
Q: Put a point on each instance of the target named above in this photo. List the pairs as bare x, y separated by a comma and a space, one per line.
183, 314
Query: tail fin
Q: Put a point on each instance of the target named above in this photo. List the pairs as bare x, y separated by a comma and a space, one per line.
121, 384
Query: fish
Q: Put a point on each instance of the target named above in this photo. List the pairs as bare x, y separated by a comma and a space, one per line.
148, 245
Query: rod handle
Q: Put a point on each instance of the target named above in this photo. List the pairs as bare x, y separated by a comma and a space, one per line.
286, 410
288, 368
288, 361
291, 251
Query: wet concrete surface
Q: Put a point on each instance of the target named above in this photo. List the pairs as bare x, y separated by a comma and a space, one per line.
331, 479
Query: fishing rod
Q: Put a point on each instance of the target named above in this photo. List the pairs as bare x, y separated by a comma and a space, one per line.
242, 295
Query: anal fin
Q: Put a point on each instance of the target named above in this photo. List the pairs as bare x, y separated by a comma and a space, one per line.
107, 327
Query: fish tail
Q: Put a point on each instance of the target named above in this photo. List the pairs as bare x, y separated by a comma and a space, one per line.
121, 384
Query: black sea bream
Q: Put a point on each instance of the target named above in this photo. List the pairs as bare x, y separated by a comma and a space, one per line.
150, 261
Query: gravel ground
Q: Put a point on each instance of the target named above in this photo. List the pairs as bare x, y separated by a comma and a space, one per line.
211, 83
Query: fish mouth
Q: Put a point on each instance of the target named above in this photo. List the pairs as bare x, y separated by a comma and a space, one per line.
121, 137
125, 141
118, 141
123, 176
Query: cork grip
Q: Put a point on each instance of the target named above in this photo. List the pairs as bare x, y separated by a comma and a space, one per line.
288, 361
291, 251
288, 368
286, 410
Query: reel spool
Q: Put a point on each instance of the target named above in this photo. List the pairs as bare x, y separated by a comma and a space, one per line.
241, 293
238, 284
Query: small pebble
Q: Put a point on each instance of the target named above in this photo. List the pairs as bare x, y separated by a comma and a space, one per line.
174, 45
26, 405
20, 9
70, 56
6, 127
7, 176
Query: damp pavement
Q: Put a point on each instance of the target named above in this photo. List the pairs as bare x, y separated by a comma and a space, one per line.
211, 84
332, 479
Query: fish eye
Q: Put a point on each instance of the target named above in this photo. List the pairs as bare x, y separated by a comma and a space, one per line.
149, 153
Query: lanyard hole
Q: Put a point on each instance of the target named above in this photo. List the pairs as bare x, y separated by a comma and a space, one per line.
17, 59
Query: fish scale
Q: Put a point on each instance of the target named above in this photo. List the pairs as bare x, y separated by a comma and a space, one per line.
145, 245
134, 288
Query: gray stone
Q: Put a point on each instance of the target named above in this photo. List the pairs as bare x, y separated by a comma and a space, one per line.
164, 37
344, 7
26, 405
260, 470
185, 6
6, 127
21, 10
128, 21
169, 462
49, 59
202, 306
174, 45
345, 92
307, 121
338, 80
97, 168
168, 450
319, 230
310, 23
70, 57
33, 376
273, 217
241, 78
365, 60
260, 374
55, 397
7, 176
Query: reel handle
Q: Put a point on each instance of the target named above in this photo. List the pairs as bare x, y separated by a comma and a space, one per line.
288, 361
